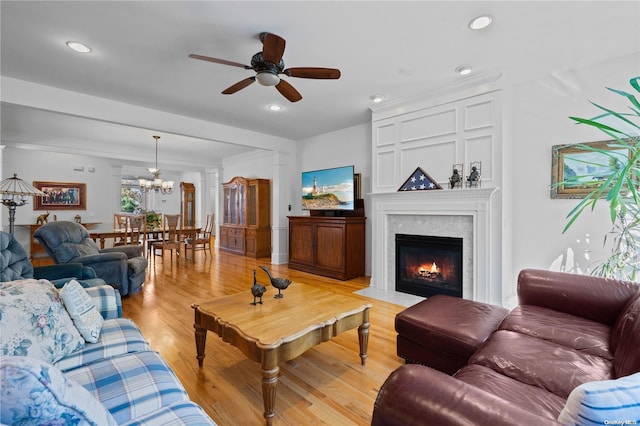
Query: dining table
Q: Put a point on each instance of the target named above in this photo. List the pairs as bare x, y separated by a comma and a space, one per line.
186, 231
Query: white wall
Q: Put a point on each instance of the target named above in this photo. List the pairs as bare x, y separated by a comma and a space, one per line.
53, 167
103, 186
538, 121
340, 148
343, 147
457, 125
277, 167
541, 111
253, 165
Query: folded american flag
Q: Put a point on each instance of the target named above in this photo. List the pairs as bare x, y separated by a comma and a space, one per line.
419, 181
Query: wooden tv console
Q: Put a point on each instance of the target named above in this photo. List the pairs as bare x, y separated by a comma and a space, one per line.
329, 246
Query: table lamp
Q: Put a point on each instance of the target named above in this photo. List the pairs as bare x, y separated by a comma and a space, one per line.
14, 194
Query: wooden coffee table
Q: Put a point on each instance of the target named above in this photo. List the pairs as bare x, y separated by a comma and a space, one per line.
280, 329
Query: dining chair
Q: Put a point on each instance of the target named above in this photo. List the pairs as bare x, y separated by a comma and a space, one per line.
171, 232
202, 240
137, 230
121, 223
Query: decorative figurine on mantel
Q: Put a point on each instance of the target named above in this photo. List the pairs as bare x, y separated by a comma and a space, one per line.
455, 181
473, 180
42, 219
279, 283
257, 290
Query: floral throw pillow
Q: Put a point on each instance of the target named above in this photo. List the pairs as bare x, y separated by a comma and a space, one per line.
83, 311
34, 322
34, 392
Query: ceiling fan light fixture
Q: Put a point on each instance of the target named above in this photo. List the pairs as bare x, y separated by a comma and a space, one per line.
267, 78
78, 47
463, 69
480, 22
268, 65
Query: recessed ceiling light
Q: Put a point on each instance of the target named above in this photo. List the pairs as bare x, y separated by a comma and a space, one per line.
377, 98
78, 47
275, 107
463, 69
480, 22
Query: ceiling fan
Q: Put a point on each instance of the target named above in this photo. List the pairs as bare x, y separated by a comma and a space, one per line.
268, 65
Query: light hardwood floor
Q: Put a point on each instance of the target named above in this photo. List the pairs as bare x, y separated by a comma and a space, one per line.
326, 385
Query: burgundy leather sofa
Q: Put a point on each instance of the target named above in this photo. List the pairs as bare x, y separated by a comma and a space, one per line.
486, 366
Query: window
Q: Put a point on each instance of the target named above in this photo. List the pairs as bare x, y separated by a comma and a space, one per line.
131, 197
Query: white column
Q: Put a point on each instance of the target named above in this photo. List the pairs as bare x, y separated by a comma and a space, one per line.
279, 209
2, 211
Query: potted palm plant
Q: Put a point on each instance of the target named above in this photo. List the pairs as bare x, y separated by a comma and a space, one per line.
620, 188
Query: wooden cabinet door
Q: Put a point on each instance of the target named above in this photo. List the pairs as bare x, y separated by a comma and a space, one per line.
301, 248
224, 237
236, 240
251, 242
188, 204
330, 245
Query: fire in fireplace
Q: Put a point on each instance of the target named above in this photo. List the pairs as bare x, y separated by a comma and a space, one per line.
428, 265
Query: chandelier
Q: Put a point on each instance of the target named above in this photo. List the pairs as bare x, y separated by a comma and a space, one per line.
156, 184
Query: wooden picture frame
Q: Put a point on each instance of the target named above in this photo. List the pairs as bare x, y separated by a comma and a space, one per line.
569, 160
357, 186
61, 196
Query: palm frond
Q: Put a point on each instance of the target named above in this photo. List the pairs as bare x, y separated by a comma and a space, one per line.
621, 186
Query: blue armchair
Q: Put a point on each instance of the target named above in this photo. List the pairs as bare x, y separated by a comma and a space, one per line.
15, 265
122, 267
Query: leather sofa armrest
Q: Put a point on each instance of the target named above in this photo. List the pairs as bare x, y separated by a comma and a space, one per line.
417, 395
129, 250
595, 298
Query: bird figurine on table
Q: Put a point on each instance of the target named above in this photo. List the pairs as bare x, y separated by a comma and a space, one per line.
257, 290
279, 283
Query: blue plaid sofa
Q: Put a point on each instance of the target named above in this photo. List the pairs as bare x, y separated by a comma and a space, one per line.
118, 379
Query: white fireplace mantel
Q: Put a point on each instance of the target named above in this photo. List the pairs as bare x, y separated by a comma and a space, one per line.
473, 213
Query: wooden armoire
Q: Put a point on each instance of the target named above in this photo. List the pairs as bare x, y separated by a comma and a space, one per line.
246, 218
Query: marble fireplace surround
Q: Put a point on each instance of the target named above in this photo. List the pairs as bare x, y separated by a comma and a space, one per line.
470, 214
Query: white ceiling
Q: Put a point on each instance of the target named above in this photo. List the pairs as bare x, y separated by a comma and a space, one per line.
395, 48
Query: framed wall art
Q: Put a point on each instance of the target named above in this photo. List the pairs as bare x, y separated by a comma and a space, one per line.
585, 166
61, 196
357, 186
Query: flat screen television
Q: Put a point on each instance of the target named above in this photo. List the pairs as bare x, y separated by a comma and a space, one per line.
328, 189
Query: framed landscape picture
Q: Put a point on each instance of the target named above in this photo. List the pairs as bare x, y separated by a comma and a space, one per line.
61, 196
586, 168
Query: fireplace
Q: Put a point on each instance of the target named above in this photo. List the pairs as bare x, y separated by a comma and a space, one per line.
428, 265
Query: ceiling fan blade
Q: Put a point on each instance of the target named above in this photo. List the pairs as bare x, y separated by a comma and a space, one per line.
219, 61
238, 86
288, 91
310, 72
273, 48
